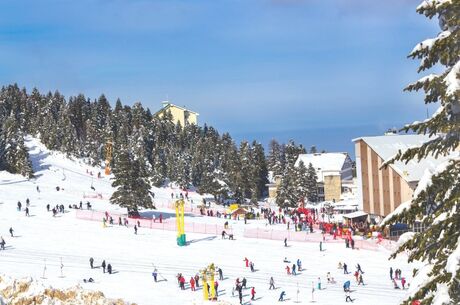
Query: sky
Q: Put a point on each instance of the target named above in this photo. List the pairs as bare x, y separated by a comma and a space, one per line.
320, 72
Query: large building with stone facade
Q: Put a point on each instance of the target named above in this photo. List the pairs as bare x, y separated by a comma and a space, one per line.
382, 190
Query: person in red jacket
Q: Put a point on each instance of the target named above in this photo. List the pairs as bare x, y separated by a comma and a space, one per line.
182, 283
253, 293
247, 261
192, 284
288, 270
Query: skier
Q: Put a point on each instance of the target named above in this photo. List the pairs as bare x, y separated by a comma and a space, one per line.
2, 243
246, 261
299, 265
192, 284
272, 283
27, 212
320, 246
253, 293
358, 267
395, 284
356, 276
155, 274
391, 273
182, 282
109, 268
282, 295
135, 229
48, 207
197, 280
360, 281
11, 231
347, 296
251, 265
221, 276
243, 283
288, 271
403, 283
285, 241
91, 262
19, 205
319, 283
240, 295
345, 270
346, 286
293, 270
103, 266
27, 202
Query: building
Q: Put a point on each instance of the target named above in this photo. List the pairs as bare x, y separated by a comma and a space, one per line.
274, 182
334, 171
179, 114
382, 190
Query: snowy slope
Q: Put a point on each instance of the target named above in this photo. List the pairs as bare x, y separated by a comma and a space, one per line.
43, 239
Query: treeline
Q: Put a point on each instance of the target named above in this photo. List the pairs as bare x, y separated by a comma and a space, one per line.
161, 150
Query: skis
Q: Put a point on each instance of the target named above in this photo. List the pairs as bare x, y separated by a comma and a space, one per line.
158, 273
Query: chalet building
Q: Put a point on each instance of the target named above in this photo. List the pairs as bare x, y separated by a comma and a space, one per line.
382, 190
180, 114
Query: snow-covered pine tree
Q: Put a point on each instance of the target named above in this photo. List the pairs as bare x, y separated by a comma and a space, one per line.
131, 183
301, 182
275, 163
312, 184
14, 155
436, 201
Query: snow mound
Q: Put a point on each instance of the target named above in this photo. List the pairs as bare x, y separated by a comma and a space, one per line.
29, 291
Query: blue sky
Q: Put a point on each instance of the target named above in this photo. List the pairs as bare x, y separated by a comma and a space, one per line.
318, 71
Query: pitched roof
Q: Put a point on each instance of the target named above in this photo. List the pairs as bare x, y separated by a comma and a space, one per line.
388, 146
323, 161
167, 105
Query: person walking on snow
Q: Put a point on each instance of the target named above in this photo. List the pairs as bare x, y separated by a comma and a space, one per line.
19, 205
282, 295
192, 284
11, 231
360, 281
246, 261
243, 283
2, 243
135, 229
155, 274
345, 268
221, 275
103, 266
391, 273
253, 293
347, 296
293, 270
288, 271
109, 268
299, 265
403, 283
91, 262
27, 212
272, 283
285, 242
319, 283
358, 267
197, 280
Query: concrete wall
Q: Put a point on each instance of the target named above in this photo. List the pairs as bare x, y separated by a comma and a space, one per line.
179, 115
332, 187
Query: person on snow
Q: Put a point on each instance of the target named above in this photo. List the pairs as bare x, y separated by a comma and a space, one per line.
27, 212
358, 268
243, 283
90, 280
395, 284
272, 283
135, 229
340, 266
155, 274
109, 269
352, 242
391, 273
360, 281
356, 276
197, 280
319, 283
221, 275
182, 283
285, 242
253, 293
103, 266
320, 246
11, 231
288, 270
192, 284
403, 283
346, 286
328, 277
282, 295
293, 270
240, 295
345, 268
251, 265
246, 261
48, 207
299, 265
216, 286
91, 262
347, 296
38, 189
81, 205
27, 202
2, 243
223, 234
19, 205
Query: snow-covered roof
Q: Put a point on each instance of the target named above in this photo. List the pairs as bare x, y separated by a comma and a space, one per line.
355, 214
388, 146
167, 104
330, 163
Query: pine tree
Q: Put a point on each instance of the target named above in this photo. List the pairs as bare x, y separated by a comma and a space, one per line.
312, 184
275, 163
301, 182
131, 181
436, 201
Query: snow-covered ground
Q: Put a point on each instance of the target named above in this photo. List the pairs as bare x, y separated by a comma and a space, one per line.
44, 240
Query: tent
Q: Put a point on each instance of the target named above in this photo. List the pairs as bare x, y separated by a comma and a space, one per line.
239, 211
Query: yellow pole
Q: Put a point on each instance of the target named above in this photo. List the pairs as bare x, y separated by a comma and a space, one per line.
182, 217
205, 285
213, 288
177, 220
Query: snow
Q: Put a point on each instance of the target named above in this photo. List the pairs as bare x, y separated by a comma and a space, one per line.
452, 80
43, 239
428, 43
324, 163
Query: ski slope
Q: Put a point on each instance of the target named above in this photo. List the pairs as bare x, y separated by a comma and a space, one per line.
45, 240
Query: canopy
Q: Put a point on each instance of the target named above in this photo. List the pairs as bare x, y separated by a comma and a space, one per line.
240, 211
353, 215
